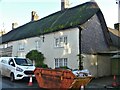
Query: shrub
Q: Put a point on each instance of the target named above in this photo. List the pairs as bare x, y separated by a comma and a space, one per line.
38, 57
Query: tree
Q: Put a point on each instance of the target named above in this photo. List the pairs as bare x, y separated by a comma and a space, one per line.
38, 57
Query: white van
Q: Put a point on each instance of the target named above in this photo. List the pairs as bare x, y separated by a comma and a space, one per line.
16, 67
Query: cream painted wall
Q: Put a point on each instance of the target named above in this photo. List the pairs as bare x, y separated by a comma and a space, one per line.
90, 63
49, 50
104, 65
98, 65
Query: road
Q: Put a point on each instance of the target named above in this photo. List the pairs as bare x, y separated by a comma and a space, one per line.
6, 84
99, 83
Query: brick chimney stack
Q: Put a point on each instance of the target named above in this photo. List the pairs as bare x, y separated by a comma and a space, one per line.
34, 16
117, 25
14, 25
64, 4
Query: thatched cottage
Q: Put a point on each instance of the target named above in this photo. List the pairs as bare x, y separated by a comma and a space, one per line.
65, 34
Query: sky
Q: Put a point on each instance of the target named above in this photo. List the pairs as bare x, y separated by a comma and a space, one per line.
19, 11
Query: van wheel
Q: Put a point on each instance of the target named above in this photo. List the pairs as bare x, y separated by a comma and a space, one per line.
12, 78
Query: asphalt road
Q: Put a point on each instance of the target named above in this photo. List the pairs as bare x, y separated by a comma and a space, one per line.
6, 84
96, 84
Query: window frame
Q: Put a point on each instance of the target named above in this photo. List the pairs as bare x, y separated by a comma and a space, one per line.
60, 41
21, 46
38, 44
60, 62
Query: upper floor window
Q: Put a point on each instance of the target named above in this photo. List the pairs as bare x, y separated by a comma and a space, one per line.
37, 44
21, 46
61, 41
5, 45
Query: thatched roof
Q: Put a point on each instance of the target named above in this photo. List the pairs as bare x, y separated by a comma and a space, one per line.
60, 20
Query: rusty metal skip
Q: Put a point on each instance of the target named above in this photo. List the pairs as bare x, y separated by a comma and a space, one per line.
59, 79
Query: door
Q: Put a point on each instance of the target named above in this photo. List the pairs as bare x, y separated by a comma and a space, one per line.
3, 67
10, 67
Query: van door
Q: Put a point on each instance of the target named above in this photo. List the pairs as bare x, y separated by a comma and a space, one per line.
3, 67
10, 67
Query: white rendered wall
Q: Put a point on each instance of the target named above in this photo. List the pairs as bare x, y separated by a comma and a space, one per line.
49, 50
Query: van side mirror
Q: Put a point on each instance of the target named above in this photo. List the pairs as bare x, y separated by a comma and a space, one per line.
11, 63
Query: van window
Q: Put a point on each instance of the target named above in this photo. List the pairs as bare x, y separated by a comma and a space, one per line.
4, 61
23, 62
11, 60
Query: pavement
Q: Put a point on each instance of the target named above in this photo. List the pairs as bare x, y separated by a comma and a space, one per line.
104, 83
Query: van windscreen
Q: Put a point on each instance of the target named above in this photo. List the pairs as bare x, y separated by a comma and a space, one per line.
23, 62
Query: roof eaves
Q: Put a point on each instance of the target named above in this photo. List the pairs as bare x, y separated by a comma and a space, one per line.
54, 22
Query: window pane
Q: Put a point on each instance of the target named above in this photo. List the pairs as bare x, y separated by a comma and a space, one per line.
56, 62
65, 61
65, 40
37, 44
60, 62
56, 42
21, 46
61, 41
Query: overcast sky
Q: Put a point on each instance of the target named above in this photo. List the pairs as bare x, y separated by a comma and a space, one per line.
20, 10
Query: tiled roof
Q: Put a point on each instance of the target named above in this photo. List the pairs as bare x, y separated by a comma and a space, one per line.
114, 31
60, 20
115, 37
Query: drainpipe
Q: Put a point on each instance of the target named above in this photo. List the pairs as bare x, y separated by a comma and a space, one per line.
80, 61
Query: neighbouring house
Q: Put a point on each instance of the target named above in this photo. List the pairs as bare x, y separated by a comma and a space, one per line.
63, 35
115, 59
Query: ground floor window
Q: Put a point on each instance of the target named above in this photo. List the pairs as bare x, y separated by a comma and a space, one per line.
59, 62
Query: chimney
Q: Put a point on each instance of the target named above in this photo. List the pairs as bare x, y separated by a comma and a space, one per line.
117, 25
64, 4
14, 25
34, 16
2, 32
92, 0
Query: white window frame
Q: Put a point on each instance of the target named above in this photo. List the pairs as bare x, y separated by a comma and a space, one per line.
5, 45
21, 46
65, 61
56, 62
61, 62
61, 41
37, 44
56, 42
